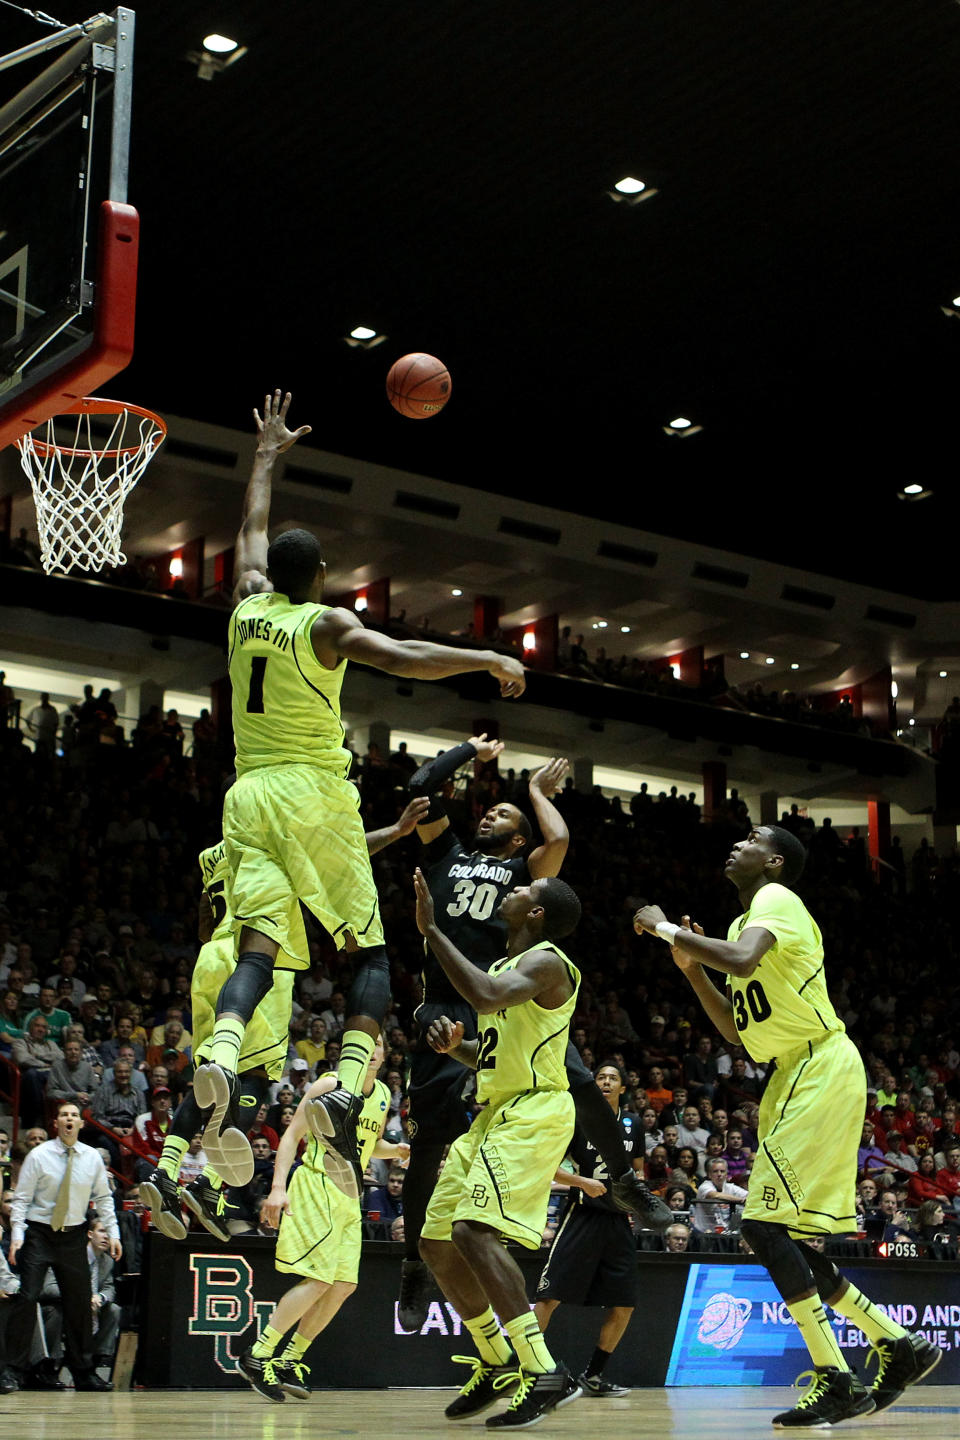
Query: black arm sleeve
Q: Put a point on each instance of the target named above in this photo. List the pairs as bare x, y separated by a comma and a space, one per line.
431, 776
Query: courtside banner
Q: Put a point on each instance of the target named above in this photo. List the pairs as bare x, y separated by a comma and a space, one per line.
734, 1329
702, 1323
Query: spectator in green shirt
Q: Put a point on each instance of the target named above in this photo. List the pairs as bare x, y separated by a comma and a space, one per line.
57, 1020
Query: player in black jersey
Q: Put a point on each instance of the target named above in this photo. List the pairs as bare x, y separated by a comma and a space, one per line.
593, 1259
467, 883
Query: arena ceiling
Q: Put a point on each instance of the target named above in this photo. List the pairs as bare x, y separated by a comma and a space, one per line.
443, 174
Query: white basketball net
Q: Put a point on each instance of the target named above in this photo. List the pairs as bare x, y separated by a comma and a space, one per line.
79, 487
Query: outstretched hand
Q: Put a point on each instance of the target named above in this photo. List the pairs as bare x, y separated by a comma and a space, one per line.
415, 814
425, 918
511, 675
486, 749
274, 434
550, 777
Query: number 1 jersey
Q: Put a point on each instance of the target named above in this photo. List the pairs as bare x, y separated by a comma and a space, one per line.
286, 705
467, 888
784, 1003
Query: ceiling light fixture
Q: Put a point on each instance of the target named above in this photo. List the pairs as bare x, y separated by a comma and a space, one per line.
794, 665
529, 640
744, 654
631, 191
681, 427
218, 54
914, 491
456, 594
770, 660
943, 674
361, 337
624, 629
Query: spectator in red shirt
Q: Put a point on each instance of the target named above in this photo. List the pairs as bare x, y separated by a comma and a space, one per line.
924, 1185
150, 1130
260, 1127
949, 1177
904, 1119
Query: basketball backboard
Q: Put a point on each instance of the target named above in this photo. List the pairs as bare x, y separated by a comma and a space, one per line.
68, 239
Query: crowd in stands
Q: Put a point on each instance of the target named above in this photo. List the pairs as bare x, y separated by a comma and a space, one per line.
98, 917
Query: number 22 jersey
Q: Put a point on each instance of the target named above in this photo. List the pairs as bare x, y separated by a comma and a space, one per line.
784, 1003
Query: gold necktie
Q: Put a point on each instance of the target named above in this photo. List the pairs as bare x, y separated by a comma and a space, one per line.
63, 1195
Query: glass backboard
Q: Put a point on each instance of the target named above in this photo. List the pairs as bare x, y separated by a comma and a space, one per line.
68, 239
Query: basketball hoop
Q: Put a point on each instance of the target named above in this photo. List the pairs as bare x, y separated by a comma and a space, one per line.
79, 488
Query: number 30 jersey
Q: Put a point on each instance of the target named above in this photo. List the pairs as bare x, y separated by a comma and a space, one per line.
784, 1003
286, 705
524, 1048
467, 888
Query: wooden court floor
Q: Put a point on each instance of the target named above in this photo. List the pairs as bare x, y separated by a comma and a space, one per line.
929, 1412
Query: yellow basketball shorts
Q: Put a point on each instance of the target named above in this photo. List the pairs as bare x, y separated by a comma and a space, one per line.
499, 1172
266, 1036
811, 1116
320, 1237
294, 832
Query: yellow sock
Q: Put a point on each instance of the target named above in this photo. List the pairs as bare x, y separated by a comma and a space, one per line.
524, 1333
210, 1174
356, 1047
174, 1149
266, 1342
818, 1334
226, 1042
491, 1343
295, 1348
860, 1311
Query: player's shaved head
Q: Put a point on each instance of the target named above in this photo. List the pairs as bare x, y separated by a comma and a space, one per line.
561, 908
790, 848
293, 562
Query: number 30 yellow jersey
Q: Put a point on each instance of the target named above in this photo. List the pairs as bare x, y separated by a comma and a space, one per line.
784, 1003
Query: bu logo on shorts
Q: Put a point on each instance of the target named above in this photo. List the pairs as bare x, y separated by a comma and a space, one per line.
480, 1196
769, 1197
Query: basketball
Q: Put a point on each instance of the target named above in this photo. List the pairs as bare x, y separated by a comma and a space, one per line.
418, 386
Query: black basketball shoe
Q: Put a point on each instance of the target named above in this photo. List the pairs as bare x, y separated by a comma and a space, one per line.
535, 1397
416, 1287
262, 1375
210, 1206
163, 1196
333, 1120
482, 1390
630, 1193
832, 1395
227, 1147
293, 1376
900, 1363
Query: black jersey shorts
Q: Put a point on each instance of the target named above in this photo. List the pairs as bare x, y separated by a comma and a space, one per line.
593, 1260
437, 1112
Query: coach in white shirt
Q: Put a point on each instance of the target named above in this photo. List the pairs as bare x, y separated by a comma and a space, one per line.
48, 1214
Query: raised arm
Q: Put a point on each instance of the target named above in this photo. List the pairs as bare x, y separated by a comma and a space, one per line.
405, 825
548, 857
717, 1006
432, 775
541, 975
339, 633
732, 957
250, 559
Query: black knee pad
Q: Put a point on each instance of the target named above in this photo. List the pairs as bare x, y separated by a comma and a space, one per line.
247, 985
782, 1256
825, 1273
370, 991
